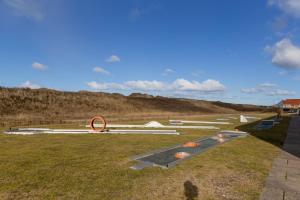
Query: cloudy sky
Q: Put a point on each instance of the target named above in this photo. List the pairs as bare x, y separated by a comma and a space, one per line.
233, 51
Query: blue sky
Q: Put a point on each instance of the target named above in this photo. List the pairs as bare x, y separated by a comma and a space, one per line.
233, 51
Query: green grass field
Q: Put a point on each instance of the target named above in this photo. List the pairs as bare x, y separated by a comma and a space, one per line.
96, 166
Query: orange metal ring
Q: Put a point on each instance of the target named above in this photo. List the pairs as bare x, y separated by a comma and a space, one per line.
100, 118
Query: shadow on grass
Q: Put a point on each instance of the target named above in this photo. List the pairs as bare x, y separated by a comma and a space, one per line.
190, 190
276, 135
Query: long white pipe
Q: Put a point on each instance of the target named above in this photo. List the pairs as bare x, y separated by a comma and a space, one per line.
143, 126
196, 122
31, 131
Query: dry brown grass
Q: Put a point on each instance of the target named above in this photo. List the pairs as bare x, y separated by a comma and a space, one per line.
42, 105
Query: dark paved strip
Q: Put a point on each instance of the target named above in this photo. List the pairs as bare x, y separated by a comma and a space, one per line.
283, 182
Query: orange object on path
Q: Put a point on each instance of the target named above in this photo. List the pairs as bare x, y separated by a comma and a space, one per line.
181, 155
100, 118
190, 144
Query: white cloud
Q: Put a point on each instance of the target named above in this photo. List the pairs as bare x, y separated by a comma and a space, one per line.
168, 71
279, 23
249, 90
260, 88
268, 89
291, 7
279, 92
285, 54
39, 66
283, 73
205, 86
105, 86
198, 73
27, 8
30, 85
297, 78
145, 85
135, 13
101, 70
208, 86
267, 85
113, 58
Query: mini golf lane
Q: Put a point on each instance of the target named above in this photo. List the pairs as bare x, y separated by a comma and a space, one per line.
32, 131
169, 157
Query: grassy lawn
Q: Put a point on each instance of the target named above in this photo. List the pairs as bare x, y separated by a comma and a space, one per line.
97, 166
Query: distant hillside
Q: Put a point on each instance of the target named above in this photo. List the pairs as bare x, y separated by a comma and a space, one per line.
21, 103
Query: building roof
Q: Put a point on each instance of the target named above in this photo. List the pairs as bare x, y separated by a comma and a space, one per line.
295, 102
